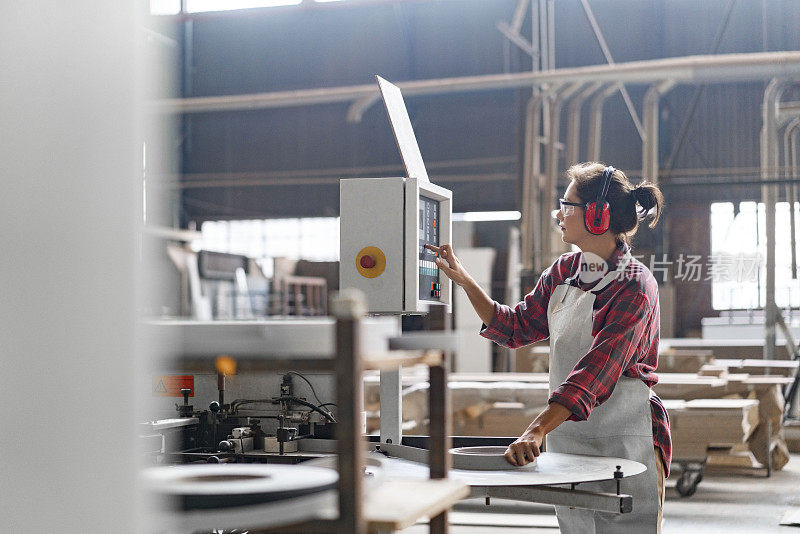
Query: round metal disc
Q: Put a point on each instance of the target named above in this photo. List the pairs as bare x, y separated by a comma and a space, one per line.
550, 468
209, 486
487, 458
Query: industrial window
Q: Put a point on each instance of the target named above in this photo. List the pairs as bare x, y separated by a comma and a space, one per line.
173, 7
314, 238
737, 265
165, 7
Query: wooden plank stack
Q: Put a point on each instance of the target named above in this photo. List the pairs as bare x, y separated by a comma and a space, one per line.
700, 424
740, 423
725, 409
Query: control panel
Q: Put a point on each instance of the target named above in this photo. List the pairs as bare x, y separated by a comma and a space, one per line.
385, 224
429, 285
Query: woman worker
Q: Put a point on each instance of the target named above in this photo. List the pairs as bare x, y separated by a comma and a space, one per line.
603, 325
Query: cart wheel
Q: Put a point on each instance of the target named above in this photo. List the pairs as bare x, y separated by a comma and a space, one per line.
688, 482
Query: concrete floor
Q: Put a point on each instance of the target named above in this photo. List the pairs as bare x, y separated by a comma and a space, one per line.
725, 503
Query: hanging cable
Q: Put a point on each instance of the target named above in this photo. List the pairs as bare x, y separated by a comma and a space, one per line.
276, 400
313, 391
311, 405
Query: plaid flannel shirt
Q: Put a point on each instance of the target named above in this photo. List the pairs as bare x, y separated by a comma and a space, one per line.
626, 334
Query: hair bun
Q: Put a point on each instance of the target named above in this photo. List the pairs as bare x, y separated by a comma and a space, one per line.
644, 196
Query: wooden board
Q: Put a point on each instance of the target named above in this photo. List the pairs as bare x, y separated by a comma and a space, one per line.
402, 358
726, 348
683, 361
493, 519
710, 421
689, 386
397, 504
760, 367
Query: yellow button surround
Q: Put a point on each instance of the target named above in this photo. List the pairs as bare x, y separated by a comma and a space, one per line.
380, 262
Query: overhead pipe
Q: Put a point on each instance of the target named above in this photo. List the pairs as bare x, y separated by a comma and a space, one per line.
530, 177
652, 99
544, 28
698, 91
769, 166
574, 122
787, 111
549, 187
793, 198
530, 142
356, 111
607, 53
512, 31
551, 34
528, 241
516, 38
690, 69
790, 157
535, 31
596, 120
519, 15
650, 109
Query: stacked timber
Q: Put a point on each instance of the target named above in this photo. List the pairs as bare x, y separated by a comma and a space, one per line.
482, 404
753, 441
701, 425
727, 410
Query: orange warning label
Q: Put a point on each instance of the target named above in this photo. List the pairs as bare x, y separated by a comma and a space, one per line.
171, 385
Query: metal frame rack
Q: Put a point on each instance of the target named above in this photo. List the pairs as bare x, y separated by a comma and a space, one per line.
433, 497
393, 444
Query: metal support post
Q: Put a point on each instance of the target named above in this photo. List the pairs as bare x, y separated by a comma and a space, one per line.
391, 406
439, 418
440, 441
350, 457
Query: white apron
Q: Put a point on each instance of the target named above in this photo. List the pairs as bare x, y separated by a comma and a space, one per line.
620, 427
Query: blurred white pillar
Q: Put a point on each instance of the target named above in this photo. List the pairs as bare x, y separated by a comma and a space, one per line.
70, 205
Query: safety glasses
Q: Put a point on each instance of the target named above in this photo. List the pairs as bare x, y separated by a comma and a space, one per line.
567, 208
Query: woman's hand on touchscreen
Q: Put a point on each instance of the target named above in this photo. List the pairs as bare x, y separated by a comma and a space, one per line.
448, 263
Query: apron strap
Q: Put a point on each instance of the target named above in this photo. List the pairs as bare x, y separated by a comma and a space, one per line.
607, 279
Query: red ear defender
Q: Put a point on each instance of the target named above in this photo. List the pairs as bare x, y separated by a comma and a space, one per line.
597, 215
592, 215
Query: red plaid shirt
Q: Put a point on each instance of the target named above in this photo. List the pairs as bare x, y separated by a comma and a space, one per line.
626, 334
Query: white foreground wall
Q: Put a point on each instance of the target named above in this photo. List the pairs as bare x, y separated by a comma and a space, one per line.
69, 210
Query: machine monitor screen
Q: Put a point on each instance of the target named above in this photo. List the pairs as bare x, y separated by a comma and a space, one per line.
403, 131
429, 286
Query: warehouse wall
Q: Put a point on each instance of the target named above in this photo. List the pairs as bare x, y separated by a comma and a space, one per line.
287, 162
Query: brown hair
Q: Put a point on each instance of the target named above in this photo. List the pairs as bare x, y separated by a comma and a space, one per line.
622, 197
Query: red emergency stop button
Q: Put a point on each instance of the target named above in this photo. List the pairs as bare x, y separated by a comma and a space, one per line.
367, 262
370, 262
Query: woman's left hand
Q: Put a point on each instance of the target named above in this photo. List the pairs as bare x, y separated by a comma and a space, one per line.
525, 449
